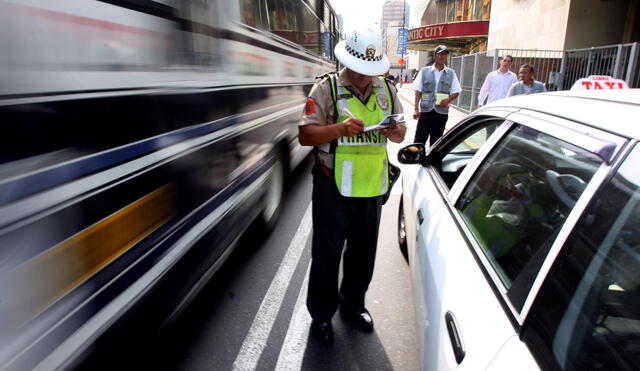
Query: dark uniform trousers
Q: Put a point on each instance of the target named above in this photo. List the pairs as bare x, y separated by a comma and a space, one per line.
430, 125
336, 219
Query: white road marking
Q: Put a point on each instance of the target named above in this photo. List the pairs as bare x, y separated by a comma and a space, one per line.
256, 340
295, 342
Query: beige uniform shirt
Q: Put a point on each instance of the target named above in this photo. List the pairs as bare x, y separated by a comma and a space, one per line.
320, 110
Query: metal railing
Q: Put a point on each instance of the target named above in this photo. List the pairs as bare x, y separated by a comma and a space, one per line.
618, 61
557, 69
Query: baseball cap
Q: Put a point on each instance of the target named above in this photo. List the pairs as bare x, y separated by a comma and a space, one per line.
440, 49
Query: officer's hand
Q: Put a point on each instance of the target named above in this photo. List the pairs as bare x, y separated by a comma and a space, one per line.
389, 130
394, 133
351, 127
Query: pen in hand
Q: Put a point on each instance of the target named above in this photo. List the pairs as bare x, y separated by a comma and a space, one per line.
346, 110
352, 127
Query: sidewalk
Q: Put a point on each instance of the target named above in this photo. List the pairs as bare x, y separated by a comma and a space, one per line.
406, 94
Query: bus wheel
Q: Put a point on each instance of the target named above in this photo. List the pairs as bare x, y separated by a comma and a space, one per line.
273, 196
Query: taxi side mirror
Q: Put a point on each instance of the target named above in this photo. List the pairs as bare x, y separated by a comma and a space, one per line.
412, 154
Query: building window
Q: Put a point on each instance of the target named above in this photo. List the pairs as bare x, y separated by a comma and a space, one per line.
451, 11
486, 9
447, 11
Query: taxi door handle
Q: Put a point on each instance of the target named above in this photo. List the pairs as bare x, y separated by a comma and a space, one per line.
454, 337
420, 217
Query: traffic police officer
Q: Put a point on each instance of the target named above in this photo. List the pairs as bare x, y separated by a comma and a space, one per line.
350, 176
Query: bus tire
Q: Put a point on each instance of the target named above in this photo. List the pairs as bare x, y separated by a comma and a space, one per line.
272, 204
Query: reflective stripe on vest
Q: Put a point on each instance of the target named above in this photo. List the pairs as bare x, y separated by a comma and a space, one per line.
360, 162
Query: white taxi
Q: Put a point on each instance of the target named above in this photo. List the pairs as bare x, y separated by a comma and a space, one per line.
522, 229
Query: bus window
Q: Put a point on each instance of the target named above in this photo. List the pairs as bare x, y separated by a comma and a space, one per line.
282, 19
296, 22
252, 13
200, 47
310, 30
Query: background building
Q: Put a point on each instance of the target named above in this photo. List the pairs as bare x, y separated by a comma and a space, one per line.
392, 12
562, 24
415, 58
395, 15
462, 25
469, 26
564, 39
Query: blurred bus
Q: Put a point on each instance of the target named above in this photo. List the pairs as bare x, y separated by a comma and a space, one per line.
138, 141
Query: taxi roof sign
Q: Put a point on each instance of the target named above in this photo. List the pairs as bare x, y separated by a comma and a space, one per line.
595, 82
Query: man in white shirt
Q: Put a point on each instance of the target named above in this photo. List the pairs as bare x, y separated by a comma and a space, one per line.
435, 86
497, 83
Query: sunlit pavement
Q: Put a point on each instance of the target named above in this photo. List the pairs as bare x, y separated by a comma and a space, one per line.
406, 94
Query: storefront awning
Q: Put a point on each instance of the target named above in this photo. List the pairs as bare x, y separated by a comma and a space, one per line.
457, 35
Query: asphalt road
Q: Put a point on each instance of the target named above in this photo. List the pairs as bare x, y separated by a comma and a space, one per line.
252, 314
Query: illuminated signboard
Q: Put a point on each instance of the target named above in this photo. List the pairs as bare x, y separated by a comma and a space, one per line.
446, 30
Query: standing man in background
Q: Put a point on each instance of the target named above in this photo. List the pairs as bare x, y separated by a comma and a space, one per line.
350, 177
435, 86
497, 83
526, 85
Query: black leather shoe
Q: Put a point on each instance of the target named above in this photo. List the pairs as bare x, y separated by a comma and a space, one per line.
360, 319
323, 331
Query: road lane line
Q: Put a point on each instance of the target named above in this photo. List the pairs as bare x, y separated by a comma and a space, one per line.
256, 339
295, 342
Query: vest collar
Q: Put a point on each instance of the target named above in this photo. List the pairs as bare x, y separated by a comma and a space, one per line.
434, 69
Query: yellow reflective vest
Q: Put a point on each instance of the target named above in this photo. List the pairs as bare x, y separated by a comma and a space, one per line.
360, 162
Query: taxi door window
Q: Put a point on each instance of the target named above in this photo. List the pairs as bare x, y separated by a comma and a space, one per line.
587, 313
518, 200
456, 153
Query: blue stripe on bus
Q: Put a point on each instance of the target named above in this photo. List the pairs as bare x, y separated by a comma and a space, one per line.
21, 187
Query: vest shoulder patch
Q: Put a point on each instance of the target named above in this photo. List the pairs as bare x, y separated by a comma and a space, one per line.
310, 106
383, 102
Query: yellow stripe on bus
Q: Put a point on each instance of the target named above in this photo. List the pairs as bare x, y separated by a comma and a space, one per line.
49, 276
